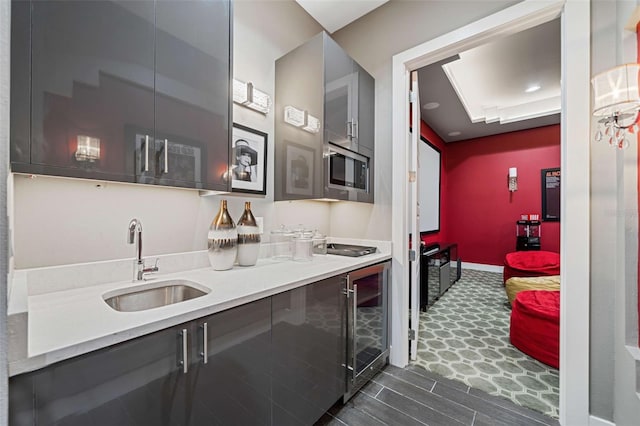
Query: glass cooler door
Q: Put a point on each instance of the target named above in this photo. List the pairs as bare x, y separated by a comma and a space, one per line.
367, 322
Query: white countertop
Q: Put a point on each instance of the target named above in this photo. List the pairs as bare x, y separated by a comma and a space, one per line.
63, 324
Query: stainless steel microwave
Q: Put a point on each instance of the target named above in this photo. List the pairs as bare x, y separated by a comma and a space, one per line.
348, 170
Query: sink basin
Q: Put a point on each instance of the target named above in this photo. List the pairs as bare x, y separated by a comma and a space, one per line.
153, 295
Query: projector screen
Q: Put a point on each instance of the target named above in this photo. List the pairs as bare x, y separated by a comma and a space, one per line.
428, 186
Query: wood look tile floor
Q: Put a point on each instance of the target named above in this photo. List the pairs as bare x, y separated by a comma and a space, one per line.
414, 396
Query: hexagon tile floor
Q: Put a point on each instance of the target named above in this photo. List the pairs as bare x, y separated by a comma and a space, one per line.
464, 336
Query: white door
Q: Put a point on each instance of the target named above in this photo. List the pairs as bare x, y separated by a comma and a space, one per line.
414, 218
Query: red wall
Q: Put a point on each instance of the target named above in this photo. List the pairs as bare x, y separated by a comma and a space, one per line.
479, 211
434, 139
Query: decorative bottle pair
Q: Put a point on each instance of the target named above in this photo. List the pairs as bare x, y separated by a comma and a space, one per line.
226, 243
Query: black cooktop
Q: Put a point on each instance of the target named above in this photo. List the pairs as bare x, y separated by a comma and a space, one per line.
349, 250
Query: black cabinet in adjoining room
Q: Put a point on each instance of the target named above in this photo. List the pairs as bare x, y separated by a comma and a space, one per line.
440, 268
131, 91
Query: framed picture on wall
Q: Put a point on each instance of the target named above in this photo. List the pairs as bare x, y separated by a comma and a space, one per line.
249, 157
299, 162
551, 194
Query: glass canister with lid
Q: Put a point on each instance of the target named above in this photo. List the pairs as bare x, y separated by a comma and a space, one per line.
302, 247
281, 243
319, 243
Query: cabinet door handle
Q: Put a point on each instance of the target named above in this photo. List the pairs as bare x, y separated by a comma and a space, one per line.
355, 128
205, 337
184, 361
166, 156
146, 153
355, 326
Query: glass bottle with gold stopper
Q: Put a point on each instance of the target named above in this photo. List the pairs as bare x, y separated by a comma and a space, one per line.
223, 240
248, 238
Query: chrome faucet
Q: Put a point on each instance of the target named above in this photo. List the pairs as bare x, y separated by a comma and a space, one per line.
139, 269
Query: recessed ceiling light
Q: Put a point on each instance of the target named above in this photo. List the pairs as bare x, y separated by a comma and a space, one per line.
454, 133
532, 88
431, 105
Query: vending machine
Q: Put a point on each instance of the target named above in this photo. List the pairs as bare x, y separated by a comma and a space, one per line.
527, 235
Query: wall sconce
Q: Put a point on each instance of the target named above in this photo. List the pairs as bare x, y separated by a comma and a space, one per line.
513, 179
88, 149
616, 101
313, 124
301, 118
246, 95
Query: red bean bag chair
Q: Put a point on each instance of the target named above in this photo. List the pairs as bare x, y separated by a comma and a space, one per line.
535, 325
530, 264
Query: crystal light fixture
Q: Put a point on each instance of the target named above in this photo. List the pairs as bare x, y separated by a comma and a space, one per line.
294, 116
301, 118
616, 103
312, 125
247, 95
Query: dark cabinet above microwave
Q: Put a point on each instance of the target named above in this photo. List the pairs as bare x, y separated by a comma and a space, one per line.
139, 95
324, 124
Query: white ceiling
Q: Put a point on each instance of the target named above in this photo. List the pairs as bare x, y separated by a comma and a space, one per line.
491, 80
482, 91
333, 14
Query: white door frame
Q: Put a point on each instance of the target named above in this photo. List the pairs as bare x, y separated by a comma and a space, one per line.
575, 137
414, 214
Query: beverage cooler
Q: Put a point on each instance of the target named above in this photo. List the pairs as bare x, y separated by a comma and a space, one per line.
528, 235
367, 324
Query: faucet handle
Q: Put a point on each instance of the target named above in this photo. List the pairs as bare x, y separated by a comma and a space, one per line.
150, 269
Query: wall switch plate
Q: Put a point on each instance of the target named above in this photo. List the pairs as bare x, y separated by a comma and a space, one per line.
260, 223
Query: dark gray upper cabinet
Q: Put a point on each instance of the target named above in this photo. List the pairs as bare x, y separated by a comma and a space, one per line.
319, 80
365, 126
20, 115
139, 95
340, 91
192, 107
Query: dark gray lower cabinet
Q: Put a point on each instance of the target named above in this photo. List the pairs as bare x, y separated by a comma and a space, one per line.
277, 361
234, 386
136, 382
308, 338
142, 381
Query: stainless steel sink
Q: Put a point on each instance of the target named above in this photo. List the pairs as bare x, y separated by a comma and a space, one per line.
153, 295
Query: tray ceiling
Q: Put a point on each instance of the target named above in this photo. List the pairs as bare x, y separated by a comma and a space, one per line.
507, 85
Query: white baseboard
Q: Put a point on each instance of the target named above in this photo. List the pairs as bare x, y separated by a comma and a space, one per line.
597, 421
482, 267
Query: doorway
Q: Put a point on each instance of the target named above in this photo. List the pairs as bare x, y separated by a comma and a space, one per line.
504, 115
574, 330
